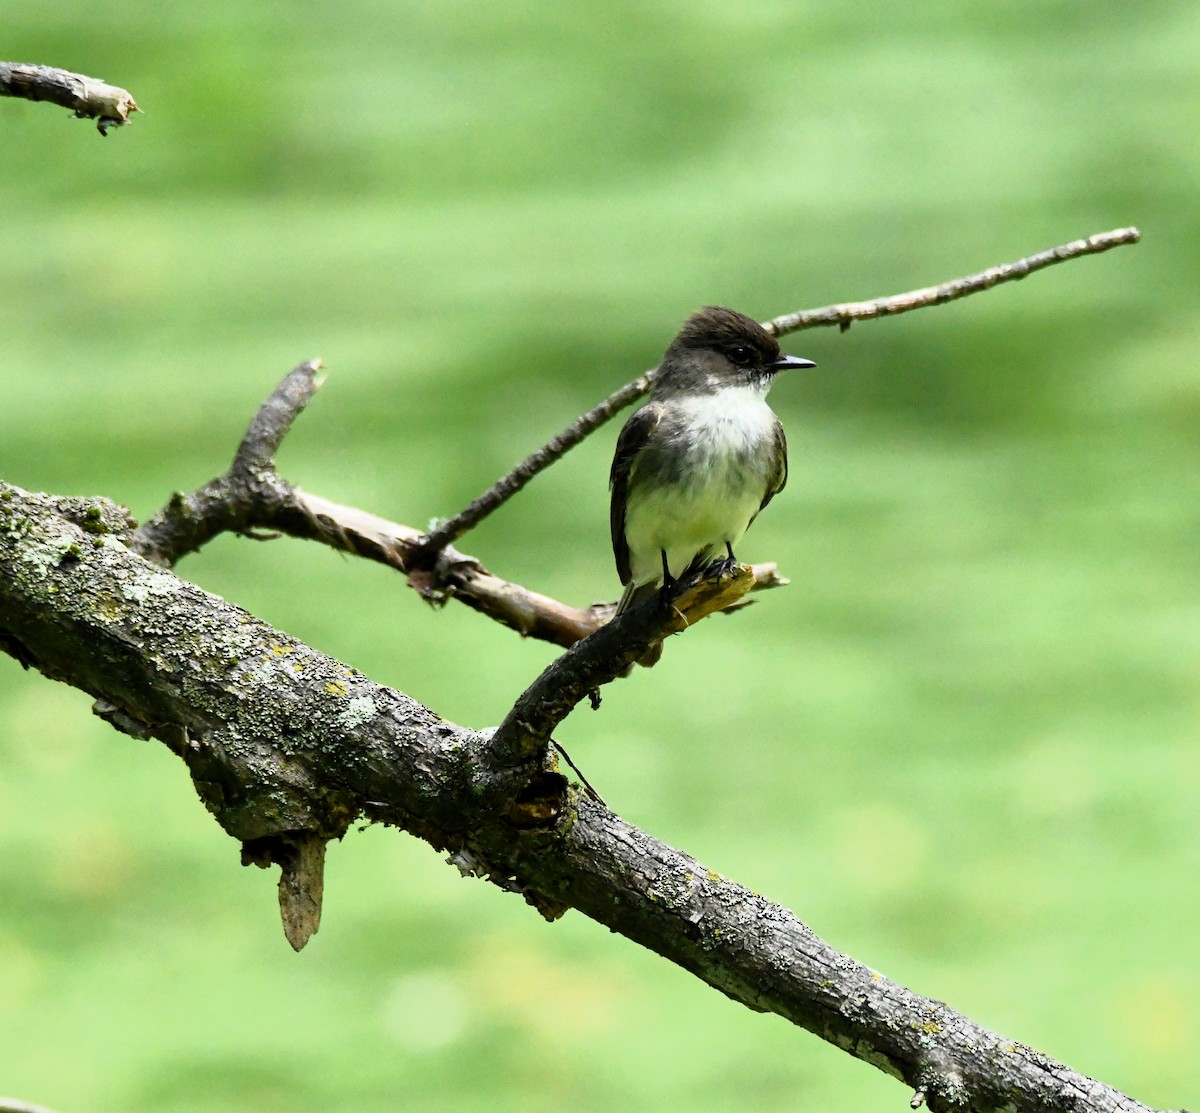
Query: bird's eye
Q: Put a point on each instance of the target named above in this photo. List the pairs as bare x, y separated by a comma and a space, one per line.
740, 354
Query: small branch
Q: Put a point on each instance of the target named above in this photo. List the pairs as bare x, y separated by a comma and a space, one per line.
88, 97
845, 314
841, 315
252, 496
603, 656
241, 498
275, 418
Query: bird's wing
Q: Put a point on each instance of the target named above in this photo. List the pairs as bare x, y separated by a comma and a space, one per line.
777, 480
632, 440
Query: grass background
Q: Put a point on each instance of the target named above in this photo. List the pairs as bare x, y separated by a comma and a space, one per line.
963, 744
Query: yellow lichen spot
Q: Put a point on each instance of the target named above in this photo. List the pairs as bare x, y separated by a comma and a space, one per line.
337, 687
875, 975
931, 1028
280, 650
712, 875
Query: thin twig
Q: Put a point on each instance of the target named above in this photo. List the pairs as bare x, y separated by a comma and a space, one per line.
504, 489
88, 97
841, 315
587, 785
845, 314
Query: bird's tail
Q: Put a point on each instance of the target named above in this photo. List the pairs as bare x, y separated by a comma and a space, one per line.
633, 595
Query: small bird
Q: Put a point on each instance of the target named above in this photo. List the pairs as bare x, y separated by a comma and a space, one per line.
695, 465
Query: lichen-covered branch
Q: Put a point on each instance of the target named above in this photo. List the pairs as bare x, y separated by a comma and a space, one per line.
88, 97
286, 747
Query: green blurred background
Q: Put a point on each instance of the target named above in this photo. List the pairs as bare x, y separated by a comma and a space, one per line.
962, 745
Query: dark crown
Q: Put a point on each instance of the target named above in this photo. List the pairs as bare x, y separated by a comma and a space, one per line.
715, 327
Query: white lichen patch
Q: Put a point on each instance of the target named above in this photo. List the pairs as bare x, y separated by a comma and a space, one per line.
266, 672
43, 557
359, 710
146, 585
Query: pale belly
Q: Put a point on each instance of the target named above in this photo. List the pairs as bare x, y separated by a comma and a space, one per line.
727, 471
687, 523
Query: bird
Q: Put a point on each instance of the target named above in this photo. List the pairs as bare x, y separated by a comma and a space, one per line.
696, 464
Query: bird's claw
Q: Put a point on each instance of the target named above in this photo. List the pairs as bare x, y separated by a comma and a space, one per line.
726, 566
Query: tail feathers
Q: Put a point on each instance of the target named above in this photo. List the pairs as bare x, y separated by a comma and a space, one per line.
633, 595
651, 657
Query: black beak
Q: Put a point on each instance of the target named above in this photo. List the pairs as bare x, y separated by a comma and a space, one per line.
784, 362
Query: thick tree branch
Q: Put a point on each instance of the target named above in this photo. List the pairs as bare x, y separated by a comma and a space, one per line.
287, 746
88, 97
842, 315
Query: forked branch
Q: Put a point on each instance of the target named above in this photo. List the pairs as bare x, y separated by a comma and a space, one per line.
251, 497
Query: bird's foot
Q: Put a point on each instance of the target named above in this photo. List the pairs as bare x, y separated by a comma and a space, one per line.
726, 566
720, 568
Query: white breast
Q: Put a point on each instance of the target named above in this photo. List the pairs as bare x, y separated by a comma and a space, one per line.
731, 421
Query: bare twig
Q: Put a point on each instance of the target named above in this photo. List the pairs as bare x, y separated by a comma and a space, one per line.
240, 499
251, 496
275, 418
88, 97
845, 314
504, 489
841, 315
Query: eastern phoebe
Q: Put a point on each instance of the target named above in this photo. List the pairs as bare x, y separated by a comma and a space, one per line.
695, 465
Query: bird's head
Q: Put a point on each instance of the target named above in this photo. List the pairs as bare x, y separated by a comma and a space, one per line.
719, 347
